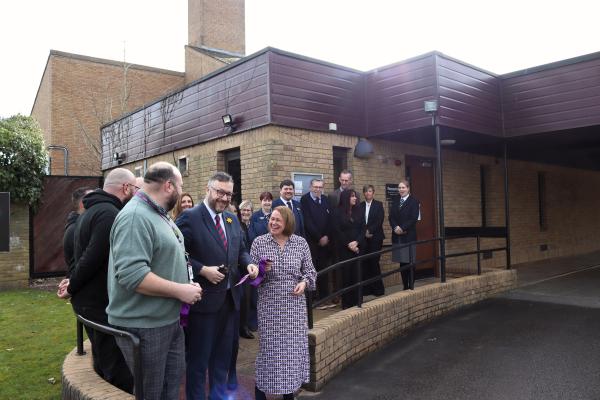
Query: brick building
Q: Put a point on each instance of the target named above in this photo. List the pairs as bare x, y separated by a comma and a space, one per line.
282, 105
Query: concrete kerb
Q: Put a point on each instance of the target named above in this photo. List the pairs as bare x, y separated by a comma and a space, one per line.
341, 339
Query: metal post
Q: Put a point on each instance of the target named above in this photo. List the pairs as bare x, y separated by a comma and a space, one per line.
80, 351
411, 272
440, 200
478, 255
360, 287
506, 205
309, 308
138, 376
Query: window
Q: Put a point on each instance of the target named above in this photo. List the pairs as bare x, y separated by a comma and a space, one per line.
182, 164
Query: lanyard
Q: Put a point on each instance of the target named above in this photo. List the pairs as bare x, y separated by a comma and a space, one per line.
163, 213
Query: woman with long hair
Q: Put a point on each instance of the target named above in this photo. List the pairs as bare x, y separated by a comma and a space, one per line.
347, 225
185, 201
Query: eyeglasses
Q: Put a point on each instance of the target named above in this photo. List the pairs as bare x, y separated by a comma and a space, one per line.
222, 193
136, 188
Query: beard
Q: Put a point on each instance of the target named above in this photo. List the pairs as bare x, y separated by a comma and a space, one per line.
172, 201
217, 205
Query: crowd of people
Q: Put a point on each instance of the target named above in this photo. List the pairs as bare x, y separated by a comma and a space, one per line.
191, 279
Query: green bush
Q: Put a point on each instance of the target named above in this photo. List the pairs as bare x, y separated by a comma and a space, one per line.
23, 159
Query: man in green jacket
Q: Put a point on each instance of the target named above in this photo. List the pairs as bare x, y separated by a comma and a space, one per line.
148, 281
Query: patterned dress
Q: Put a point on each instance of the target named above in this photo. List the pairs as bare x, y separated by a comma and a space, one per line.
283, 363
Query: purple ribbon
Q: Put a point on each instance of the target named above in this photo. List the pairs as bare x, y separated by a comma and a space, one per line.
262, 264
184, 314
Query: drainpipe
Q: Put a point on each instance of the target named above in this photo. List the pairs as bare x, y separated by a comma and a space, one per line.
66, 156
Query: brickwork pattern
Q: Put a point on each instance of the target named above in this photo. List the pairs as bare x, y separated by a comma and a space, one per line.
198, 64
14, 265
341, 339
83, 94
270, 154
80, 381
217, 24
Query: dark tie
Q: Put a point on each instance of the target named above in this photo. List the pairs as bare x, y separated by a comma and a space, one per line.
289, 204
220, 230
318, 200
401, 201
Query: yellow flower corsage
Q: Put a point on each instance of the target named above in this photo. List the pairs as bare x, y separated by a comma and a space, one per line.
229, 220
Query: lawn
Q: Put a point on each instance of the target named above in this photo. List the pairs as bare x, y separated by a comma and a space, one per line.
37, 330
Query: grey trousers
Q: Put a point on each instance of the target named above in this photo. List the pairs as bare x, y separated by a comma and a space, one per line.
163, 359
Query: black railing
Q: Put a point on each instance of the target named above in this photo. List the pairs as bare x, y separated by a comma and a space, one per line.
135, 341
410, 266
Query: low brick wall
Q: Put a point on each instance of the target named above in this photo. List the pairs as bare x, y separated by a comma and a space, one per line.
343, 338
80, 381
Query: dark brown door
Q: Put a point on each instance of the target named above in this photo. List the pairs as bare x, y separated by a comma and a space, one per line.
420, 174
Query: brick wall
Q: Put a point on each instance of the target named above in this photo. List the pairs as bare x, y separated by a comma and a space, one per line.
85, 93
217, 24
339, 340
270, 154
14, 265
198, 64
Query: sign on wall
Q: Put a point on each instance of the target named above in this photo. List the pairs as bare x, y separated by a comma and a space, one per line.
302, 182
4, 221
391, 191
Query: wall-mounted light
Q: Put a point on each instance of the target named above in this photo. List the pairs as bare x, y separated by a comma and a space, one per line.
119, 157
430, 106
448, 142
228, 122
363, 149
332, 126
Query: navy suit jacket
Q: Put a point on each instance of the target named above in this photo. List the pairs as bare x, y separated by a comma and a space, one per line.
204, 245
297, 214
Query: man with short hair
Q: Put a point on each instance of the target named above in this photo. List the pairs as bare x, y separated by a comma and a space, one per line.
148, 280
286, 192
317, 219
213, 238
346, 180
69, 235
87, 281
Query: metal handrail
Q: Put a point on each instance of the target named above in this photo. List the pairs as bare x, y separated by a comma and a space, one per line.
137, 357
410, 266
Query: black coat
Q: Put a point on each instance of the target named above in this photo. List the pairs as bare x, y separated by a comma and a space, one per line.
405, 217
347, 229
68, 241
87, 282
317, 218
375, 222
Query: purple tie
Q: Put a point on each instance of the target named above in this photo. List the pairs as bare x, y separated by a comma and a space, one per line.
220, 230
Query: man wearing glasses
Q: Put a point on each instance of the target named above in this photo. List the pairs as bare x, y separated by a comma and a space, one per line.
214, 242
87, 282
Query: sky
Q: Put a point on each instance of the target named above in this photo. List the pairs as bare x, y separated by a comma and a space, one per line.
499, 36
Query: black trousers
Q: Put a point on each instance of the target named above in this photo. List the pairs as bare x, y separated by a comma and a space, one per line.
321, 257
108, 360
371, 269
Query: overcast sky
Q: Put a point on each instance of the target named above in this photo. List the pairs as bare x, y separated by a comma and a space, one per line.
500, 36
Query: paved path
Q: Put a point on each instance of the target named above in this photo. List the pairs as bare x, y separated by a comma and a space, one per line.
539, 341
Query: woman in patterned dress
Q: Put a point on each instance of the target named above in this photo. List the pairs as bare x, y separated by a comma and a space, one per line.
282, 363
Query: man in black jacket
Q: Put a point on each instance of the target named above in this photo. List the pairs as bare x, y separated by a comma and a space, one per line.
317, 226
87, 282
69, 235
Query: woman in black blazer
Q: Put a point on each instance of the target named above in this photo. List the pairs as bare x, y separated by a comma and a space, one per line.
347, 224
404, 214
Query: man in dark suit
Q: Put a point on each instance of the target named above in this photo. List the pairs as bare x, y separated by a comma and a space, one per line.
286, 191
404, 214
373, 213
317, 224
346, 182
214, 242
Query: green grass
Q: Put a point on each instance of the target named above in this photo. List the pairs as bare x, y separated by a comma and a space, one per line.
37, 330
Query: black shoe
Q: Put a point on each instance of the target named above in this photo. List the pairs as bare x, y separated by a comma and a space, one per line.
246, 334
